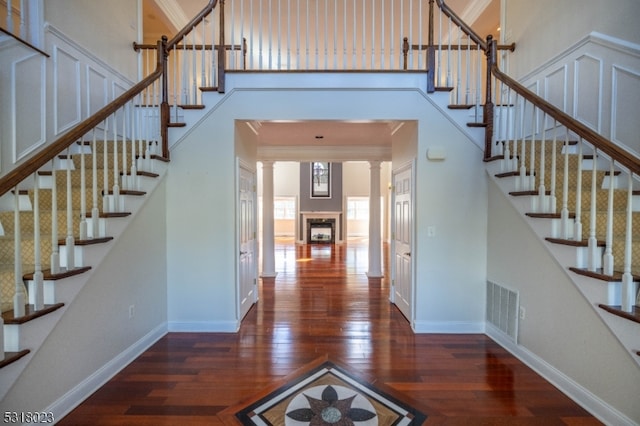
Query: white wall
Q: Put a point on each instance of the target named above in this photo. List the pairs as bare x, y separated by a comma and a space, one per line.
200, 264
560, 327
109, 33
544, 28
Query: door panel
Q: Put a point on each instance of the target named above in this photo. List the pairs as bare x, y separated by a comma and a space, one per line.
402, 289
247, 271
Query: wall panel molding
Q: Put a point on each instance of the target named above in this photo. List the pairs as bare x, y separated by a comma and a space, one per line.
28, 105
625, 92
588, 81
67, 102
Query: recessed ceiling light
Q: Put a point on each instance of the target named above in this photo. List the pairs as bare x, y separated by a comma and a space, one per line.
319, 137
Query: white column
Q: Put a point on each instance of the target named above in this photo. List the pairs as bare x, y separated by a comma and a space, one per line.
268, 239
375, 239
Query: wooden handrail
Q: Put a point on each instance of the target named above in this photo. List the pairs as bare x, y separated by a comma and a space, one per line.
603, 144
191, 25
463, 25
42, 157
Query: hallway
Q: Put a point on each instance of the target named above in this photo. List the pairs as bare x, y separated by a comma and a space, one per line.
322, 306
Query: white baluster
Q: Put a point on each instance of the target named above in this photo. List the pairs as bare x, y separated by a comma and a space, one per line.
83, 195
95, 213
521, 182
629, 288
116, 168
552, 183
38, 279
566, 229
532, 156
10, 16
55, 248
105, 170
577, 233
70, 240
364, 34
543, 205
592, 242
19, 298
607, 258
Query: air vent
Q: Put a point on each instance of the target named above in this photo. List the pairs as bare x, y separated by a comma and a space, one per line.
502, 309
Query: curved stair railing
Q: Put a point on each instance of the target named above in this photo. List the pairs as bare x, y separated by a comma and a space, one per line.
64, 195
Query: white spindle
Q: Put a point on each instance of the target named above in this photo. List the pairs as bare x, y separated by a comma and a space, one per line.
354, 31
233, 36
629, 287
317, 35
344, 35
392, 48
306, 39
382, 36
203, 53
459, 74
364, 34
521, 183
449, 79
326, 35
83, 195
194, 70
552, 183
335, 35
288, 34
55, 248
125, 176
185, 73
467, 98
607, 258
105, 168
95, 213
70, 240
577, 233
542, 192
38, 279
479, 82
270, 33
19, 298
564, 212
116, 167
532, 156
23, 20
592, 241
373, 35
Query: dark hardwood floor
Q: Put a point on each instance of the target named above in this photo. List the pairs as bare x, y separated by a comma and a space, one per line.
322, 306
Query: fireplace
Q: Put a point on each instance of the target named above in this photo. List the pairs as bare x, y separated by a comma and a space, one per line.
321, 231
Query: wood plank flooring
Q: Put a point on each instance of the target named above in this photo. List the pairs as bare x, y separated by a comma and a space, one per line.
322, 306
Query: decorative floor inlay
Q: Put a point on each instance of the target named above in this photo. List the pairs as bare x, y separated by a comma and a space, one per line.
328, 395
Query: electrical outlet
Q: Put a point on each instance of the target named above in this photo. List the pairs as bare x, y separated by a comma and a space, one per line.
522, 312
132, 311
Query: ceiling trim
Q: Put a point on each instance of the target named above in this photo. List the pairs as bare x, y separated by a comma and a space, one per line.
324, 153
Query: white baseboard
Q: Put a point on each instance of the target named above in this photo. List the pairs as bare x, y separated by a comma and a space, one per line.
454, 327
204, 326
83, 390
587, 400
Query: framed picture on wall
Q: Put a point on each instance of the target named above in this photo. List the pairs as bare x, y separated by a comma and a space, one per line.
320, 179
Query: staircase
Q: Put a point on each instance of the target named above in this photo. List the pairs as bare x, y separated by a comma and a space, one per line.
590, 190
96, 215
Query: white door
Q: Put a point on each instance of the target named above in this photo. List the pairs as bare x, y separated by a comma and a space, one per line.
247, 265
402, 284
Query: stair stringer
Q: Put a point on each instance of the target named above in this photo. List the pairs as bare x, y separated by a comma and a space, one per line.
37, 331
563, 336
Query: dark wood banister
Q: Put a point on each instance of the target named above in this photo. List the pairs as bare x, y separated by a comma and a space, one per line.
463, 25
31, 165
603, 144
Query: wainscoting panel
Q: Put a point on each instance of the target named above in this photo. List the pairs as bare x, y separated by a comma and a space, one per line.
97, 90
587, 99
556, 87
28, 97
625, 92
66, 89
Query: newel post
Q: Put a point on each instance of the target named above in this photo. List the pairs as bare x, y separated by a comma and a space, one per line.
221, 51
488, 104
164, 104
431, 54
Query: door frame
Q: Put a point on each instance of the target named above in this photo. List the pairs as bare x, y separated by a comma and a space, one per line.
410, 165
240, 164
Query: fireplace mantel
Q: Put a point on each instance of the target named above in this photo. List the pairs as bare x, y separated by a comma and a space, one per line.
304, 215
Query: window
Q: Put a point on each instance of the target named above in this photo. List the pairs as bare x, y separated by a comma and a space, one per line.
284, 208
358, 208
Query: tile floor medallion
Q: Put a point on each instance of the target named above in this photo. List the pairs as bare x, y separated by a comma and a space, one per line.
328, 395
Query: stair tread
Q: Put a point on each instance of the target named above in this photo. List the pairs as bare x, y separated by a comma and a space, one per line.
11, 357
634, 315
30, 314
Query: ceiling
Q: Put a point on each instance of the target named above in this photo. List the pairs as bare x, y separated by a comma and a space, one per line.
165, 17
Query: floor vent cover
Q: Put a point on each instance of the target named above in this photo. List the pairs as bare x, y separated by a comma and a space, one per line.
502, 309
